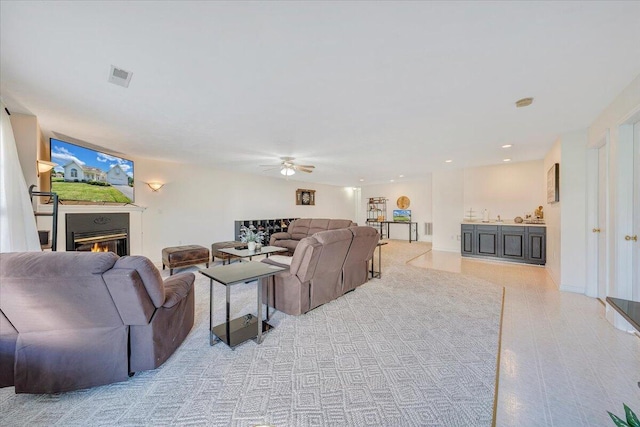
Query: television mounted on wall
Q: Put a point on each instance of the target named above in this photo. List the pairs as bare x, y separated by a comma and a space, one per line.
86, 175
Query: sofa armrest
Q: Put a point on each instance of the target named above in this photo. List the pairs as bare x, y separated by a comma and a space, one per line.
282, 235
177, 287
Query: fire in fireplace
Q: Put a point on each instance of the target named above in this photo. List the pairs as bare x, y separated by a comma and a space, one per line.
98, 233
110, 241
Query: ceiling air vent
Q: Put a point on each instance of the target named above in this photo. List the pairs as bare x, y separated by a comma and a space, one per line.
120, 77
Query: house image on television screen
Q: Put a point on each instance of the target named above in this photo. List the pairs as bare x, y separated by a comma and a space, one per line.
115, 175
88, 175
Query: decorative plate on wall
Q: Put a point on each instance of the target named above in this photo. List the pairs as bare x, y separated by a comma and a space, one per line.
403, 202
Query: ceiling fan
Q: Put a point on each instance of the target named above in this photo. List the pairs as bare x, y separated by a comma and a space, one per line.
288, 167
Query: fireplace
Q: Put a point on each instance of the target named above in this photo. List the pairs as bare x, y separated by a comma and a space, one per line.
99, 232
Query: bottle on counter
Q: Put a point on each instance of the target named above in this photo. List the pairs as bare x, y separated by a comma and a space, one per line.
485, 216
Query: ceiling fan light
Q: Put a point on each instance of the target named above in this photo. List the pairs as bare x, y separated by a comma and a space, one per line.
287, 171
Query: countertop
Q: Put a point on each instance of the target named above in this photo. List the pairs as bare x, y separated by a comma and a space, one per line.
507, 222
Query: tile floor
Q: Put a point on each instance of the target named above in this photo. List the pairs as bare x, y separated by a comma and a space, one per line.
562, 363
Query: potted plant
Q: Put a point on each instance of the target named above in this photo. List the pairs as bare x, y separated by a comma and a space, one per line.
251, 236
632, 419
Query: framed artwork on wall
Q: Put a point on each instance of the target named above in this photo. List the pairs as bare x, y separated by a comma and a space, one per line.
305, 197
553, 184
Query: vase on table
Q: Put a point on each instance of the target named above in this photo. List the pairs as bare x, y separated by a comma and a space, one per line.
251, 246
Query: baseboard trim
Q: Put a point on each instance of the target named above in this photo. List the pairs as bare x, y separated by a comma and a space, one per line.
574, 289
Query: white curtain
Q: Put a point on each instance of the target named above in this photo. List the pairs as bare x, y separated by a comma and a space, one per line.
18, 231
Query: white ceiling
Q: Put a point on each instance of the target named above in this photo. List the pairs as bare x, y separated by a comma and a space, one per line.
366, 90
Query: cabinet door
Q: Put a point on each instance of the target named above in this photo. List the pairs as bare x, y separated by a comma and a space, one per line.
467, 239
512, 242
536, 246
487, 240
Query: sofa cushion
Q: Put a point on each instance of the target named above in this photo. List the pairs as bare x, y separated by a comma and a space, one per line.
299, 229
318, 225
65, 289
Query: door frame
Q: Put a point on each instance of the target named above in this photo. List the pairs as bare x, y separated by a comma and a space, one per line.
593, 182
621, 222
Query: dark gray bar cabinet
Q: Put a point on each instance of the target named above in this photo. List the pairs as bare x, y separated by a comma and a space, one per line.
524, 243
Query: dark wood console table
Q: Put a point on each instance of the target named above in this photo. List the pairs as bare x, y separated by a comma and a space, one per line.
412, 226
630, 310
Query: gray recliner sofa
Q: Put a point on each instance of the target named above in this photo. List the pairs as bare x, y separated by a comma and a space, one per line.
305, 227
73, 320
323, 267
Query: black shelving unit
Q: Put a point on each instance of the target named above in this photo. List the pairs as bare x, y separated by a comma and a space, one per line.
269, 226
377, 213
53, 243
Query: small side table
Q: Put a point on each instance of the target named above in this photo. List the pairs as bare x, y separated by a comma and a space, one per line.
235, 332
377, 274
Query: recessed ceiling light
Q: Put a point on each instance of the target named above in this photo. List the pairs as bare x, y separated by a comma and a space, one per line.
524, 102
506, 160
507, 146
448, 161
400, 176
361, 179
391, 180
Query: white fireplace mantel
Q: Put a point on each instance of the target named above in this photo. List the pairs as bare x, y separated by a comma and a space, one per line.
135, 221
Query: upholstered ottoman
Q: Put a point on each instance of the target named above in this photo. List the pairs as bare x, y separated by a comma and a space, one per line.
215, 249
182, 256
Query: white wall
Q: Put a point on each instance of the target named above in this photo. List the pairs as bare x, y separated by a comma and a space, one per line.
573, 205
198, 205
26, 132
448, 209
508, 190
418, 192
552, 217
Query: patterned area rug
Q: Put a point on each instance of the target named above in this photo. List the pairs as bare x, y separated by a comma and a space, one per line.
414, 348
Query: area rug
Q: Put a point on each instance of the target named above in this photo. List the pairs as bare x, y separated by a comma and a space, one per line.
414, 348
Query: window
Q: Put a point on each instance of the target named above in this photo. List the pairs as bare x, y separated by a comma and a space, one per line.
74, 173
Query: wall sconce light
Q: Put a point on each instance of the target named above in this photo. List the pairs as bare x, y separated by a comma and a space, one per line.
155, 186
44, 166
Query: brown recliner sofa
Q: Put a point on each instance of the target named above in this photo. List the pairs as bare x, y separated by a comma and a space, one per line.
318, 269
305, 227
73, 320
356, 265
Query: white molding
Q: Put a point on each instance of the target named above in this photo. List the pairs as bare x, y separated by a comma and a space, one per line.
574, 289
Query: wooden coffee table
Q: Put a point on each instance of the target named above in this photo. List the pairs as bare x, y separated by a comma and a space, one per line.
235, 332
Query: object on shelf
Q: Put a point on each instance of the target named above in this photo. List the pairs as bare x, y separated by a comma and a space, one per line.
518, 220
539, 213
470, 215
485, 216
377, 209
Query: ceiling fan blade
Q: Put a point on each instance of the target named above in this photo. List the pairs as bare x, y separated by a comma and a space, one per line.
306, 166
269, 166
301, 169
